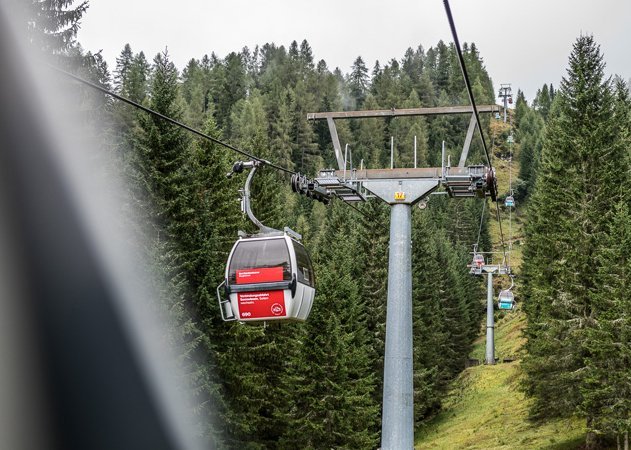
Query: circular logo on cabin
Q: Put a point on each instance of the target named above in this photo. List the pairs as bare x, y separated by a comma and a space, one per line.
277, 309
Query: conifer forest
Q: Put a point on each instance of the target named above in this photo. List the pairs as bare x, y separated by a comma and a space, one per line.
562, 162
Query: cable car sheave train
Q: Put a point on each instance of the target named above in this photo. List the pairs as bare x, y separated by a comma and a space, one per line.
269, 275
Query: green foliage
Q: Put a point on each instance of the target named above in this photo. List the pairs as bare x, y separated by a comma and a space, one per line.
52, 25
358, 82
581, 177
530, 139
317, 384
543, 100
335, 402
447, 308
607, 388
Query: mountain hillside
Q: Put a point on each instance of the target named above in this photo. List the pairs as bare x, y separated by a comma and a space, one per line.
486, 410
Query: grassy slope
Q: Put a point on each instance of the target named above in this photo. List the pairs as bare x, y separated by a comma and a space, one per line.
485, 409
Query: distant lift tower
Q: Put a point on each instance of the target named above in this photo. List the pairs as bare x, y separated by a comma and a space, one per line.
478, 267
506, 95
401, 188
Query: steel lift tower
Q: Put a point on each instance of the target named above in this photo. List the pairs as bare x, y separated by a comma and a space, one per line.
489, 270
401, 188
506, 94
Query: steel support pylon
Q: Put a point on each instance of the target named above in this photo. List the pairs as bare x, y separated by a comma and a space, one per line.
397, 426
490, 322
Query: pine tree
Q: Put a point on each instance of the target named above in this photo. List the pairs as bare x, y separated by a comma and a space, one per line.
607, 388
583, 166
358, 82
137, 83
369, 144
255, 359
171, 180
123, 65
373, 278
306, 155
280, 135
335, 402
52, 25
446, 313
543, 101
196, 92
404, 129
529, 137
230, 85
521, 107
305, 56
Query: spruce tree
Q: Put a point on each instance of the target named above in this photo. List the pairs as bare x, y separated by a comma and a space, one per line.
306, 155
52, 25
123, 65
529, 137
607, 388
255, 359
582, 169
334, 395
369, 138
168, 177
358, 82
373, 278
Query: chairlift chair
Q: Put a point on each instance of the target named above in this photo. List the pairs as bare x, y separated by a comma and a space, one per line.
506, 300
478, 260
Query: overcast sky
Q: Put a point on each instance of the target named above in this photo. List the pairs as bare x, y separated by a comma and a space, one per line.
525, 43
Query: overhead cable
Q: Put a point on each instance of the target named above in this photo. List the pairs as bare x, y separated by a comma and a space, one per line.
182, 125
465, 75
463, 67
170, 120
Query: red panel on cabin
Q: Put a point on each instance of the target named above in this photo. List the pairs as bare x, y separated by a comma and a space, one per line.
261, 275
258, 305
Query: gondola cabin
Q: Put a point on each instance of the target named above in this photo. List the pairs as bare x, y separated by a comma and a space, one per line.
509, 202
497, 116
506, 300
267, 278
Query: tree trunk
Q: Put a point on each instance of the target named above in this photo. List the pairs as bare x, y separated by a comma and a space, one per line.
590, 438
618, 441
626, 440
590, 441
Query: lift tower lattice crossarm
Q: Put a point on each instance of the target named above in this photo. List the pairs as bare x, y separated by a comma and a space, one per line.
440, 110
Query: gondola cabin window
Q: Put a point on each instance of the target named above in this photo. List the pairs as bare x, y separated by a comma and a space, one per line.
260, 261
305, 268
